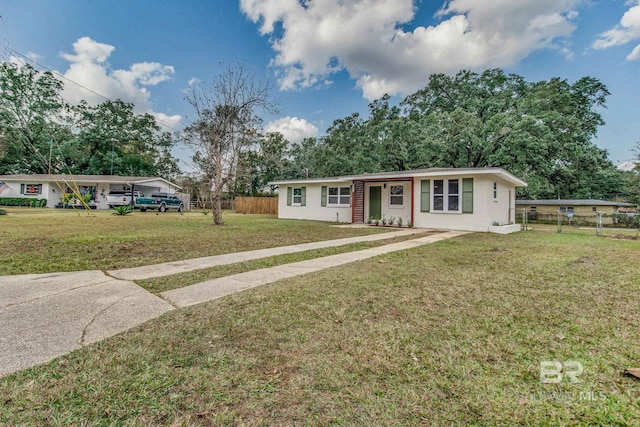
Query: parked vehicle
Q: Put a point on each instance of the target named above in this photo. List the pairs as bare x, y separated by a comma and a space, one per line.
160, 201
121, 197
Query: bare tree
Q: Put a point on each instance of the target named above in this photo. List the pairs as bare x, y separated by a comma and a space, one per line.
226, 125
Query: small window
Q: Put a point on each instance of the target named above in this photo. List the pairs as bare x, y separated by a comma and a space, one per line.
495, 190
31, 189
438, 194
396, 195
333, 197
594, 209
454, 196
533, 209
297, 196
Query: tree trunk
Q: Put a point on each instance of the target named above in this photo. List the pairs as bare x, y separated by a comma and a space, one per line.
217, 210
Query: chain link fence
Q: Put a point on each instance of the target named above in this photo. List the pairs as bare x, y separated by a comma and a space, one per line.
625, 225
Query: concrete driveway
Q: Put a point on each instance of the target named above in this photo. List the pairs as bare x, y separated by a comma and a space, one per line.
43, 316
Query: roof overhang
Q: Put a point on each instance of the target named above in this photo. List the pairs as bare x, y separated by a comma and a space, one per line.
71, 178
410, 174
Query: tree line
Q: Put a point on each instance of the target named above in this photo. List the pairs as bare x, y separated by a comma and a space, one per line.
542, 132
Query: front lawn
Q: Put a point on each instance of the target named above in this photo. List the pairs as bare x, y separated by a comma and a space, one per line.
451, 333
52, 240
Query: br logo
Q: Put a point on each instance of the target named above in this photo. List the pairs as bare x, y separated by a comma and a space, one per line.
552, 371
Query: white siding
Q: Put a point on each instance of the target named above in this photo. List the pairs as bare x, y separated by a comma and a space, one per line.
313, 209
14, 191
486, 209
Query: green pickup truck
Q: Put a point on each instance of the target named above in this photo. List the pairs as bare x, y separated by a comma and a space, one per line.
160, 201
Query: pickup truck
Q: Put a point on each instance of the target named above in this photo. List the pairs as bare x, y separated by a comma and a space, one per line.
121, 197
159, 201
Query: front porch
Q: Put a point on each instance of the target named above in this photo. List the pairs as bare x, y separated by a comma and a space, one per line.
382, 198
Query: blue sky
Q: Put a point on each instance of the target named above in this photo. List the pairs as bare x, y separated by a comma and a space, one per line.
326, 59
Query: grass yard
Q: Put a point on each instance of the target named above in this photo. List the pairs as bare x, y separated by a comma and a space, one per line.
52, 240
451, 333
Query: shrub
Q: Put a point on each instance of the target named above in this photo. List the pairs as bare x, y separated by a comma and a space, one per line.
22, 201
3, 212
399, 221
122, 210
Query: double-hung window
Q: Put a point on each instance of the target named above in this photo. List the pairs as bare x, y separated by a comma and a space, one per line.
396, 195
297, 196
453, 195
339, 196
446, 195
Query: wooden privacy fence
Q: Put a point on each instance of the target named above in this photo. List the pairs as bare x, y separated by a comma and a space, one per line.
257, 205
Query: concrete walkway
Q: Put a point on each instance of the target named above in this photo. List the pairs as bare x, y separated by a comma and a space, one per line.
175, 267
43, 316
217, 288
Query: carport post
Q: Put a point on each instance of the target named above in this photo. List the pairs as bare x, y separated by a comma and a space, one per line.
132, 202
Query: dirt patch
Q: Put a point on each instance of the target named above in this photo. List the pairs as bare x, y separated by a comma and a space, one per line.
586, 260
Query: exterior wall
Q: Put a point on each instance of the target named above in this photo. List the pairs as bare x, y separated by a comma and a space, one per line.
313, 209
48, 191
487, 210
389, 210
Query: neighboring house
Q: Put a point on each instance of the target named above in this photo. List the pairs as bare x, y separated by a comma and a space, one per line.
473, 199
53, 187
584, 209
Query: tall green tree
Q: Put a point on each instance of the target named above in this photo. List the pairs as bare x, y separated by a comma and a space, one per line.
31, 117
261, 164
117, 141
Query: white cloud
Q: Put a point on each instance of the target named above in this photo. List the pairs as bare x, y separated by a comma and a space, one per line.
292, 128
167, 123
89, 68
33, 56
364, 37
626, 31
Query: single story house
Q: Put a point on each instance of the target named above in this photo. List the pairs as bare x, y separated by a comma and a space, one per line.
52, 188
470, 199
548, 209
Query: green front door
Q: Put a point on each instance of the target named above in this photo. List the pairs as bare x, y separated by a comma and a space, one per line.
375, 202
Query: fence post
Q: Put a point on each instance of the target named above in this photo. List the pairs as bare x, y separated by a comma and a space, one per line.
559, 222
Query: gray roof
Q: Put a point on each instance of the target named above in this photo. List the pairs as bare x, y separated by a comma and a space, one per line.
413, 173
572, 202
114, 179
